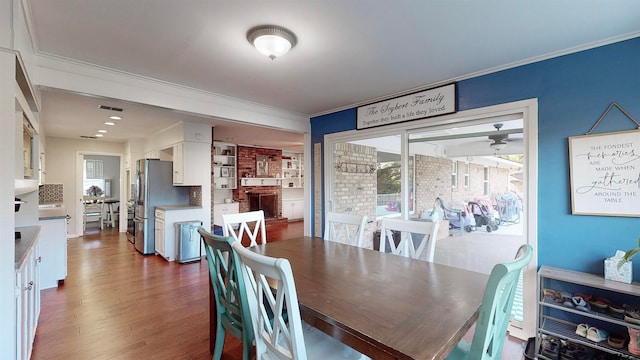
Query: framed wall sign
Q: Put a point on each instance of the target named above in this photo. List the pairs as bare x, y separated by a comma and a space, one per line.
605, 174
424, 104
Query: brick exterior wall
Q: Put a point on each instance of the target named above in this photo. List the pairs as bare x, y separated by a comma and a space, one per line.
246, 162
356, 192
432, 180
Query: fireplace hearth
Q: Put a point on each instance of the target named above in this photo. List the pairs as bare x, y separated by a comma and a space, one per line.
265, 202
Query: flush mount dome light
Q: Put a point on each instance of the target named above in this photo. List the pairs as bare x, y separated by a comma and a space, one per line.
271, 40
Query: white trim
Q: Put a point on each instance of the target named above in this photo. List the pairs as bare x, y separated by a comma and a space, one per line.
529, 110
61, 73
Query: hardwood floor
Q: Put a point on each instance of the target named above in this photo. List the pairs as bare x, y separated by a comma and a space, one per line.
118, 304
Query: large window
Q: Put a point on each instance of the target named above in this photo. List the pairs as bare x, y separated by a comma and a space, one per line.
93, 182
486, 181
466, 175
454, 174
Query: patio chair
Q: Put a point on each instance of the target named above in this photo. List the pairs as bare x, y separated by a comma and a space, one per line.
417, 238
491, 327
230, 295
251, 223
275, 314
344, 228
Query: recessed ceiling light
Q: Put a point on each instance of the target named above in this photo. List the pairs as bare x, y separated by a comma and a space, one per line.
99, 135
110, 123
102, 131
115, 117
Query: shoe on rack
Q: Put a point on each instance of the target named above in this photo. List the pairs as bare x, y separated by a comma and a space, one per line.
582, 330
597, 335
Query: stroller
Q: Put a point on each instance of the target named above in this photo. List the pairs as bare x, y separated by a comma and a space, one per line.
459, 218
482, 216
486, 205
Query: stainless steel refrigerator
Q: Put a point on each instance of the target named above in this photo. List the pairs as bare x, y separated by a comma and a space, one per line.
154, 187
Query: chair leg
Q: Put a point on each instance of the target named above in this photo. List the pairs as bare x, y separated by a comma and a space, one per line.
220, 332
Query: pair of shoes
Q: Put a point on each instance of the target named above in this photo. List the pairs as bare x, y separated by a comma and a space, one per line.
597, 335
550, 347
582, 329
580, 304
573, 351
618, 340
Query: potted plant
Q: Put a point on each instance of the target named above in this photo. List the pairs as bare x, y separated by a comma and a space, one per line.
94, 190
629, 254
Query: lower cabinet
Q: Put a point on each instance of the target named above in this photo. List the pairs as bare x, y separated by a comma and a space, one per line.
53, 244
166, 239
581, 313
293, 209
27, 302
220, 209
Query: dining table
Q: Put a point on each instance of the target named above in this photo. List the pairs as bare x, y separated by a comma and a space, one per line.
383, 305
110, 212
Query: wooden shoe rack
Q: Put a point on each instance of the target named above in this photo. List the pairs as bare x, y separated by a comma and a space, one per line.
557, 320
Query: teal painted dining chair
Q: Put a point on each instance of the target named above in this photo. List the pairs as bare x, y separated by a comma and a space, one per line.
230, 294
491, 327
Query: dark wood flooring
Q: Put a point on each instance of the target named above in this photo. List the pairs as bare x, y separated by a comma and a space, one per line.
118, 304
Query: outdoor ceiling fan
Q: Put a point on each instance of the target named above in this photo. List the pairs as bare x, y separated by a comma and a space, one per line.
499, 140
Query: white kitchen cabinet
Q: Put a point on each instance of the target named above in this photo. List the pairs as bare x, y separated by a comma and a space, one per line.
224, 169
166, 217
189, 161
293, 209
159, 234
221, 209
53, 244
27, 302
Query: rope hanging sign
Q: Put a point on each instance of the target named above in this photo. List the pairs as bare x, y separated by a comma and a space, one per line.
605, 171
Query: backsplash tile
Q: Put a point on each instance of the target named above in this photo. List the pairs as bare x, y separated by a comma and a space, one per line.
51, 193
195, 195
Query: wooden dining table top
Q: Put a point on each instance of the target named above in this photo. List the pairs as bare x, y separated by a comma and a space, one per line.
383, 305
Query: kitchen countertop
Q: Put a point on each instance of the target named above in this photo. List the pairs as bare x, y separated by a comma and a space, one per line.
29, 235
177, 207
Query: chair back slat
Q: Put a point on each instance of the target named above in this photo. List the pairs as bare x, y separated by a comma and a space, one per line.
250, 224
497, 303
417, 238
273, 303
345, 228
229, 292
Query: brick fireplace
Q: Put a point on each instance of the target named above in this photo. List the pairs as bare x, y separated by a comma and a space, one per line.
246, 161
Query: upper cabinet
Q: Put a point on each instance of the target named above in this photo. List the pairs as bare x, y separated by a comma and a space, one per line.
224, 166
292, 170
191, 163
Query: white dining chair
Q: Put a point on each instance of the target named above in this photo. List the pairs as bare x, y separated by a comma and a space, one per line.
275, 313
92, 210
250, 223
417, 238
344, 228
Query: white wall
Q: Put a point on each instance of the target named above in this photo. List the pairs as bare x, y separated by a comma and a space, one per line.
61, 167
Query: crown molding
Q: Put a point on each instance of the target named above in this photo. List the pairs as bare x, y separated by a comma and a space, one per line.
62, 73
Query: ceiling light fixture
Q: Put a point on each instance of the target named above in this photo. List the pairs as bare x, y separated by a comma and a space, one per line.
115, 117
498, 145
102, 131
110, 123
99, 135
271, 40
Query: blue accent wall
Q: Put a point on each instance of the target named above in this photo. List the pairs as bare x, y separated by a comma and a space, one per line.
572, 91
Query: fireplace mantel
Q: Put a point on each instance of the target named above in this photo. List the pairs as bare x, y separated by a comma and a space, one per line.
261, 181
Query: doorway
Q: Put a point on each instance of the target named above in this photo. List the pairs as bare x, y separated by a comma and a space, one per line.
99, 190
458, 158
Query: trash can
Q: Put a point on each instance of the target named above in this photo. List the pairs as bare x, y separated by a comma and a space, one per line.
188, 241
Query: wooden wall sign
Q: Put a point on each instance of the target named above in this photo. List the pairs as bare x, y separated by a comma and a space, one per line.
424, 104
605, 174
